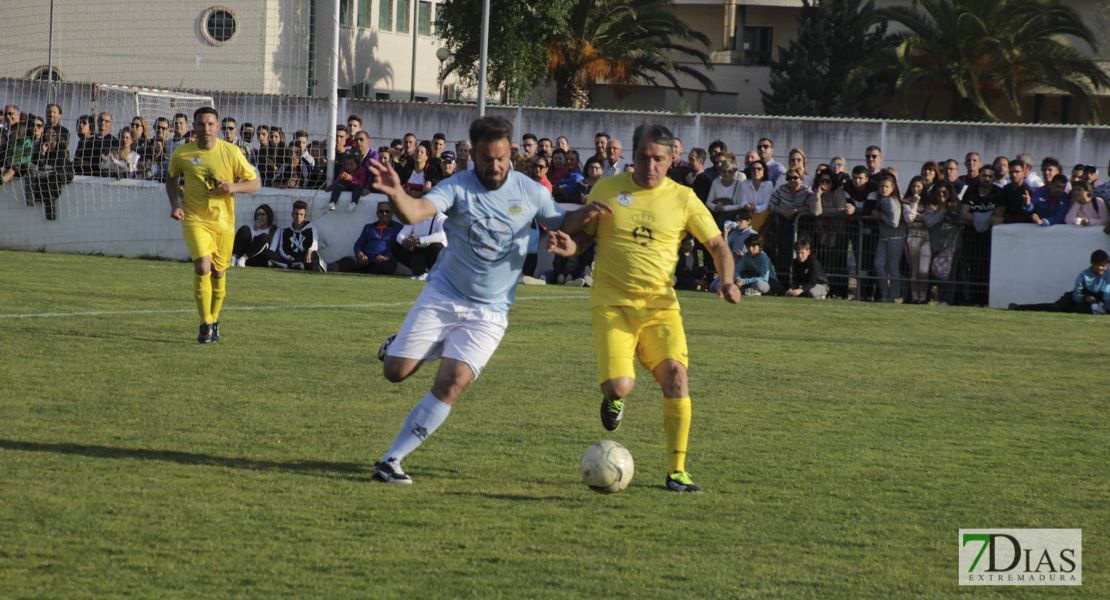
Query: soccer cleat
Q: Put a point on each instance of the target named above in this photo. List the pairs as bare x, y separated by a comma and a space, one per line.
205, 335
390, 471
611, 413
216, 331
680, 481
385, 346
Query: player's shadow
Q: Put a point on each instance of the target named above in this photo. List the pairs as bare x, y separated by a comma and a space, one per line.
305, 467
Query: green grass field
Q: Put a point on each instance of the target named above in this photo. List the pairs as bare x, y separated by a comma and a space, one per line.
842, 446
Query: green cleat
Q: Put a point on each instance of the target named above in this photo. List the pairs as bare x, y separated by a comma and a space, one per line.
680, 481
611, 413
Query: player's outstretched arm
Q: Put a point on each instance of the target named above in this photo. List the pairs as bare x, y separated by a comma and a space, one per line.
560, 243
576, 220
722, 257
409, 210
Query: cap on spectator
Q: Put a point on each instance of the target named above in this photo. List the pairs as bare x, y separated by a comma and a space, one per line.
447, 156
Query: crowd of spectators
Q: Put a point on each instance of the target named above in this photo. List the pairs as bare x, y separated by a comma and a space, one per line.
905, 234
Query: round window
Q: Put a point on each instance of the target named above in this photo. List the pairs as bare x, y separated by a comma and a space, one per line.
219, 25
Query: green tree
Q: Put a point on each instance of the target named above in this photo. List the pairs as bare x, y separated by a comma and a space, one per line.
573, 44
984, 52
812, 74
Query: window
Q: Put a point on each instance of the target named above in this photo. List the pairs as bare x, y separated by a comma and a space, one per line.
439, 15
757, 45
402, 16
219, 25
385, 15
424, 18
365, 10
345, 13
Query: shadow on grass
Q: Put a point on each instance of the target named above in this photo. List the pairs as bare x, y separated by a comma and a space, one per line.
307, 467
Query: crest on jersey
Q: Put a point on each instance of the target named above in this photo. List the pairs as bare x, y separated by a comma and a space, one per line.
624, 198
195, 160
516, 208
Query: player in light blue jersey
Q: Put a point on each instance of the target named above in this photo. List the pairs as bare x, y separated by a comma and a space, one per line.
462, 313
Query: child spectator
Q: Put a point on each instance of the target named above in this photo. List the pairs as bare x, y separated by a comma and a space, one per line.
892, 237
807, 278
1089, 295
1085, 210
689, 275
738, 231
754, 272
351, 179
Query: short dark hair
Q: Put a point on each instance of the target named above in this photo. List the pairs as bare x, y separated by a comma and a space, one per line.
204, 110
356, 119
988, 168
530, 136
856, 170
228, 120
802, 243
875, 148
753, 240
1100, 257
542, 140
1017, 162
182, 115
1051, 162
342, 128
299, 204
601, 134
699, 153
592, 160
55, 106
489, 129
653, 133
439, 136
744, 214
409, 135
1060, 178
558, 151
718, 144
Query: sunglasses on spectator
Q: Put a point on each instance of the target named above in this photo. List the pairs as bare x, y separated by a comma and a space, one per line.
757, 168
728, 172
162, 127
763, 146
38, 125
10, 114
824, 181
541, 166
136, 124
873, 156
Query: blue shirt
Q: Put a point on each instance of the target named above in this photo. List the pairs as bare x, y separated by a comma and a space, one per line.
487, 236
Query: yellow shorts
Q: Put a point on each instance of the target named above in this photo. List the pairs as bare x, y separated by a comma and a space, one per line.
623, 334
205, 241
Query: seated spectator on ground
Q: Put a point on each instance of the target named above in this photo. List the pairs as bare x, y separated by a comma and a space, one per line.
1089, 295
1085, 210
688, 274
50, 172
121, 161
294, 172
373, 251
351, 179
1049, 204
581, 194
754, 272
297, 246
251, 242
418, 245
807, 278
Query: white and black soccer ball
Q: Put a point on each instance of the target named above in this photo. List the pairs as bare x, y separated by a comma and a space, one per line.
607, 467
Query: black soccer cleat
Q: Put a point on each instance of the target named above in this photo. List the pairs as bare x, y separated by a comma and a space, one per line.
680, 481
390, 471
216, 331
205, 335
385, 346
611, 413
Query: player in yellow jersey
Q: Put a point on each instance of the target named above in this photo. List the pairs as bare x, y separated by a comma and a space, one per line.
214, 171
633, 303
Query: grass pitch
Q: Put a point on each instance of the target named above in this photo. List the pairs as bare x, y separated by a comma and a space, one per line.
842, 446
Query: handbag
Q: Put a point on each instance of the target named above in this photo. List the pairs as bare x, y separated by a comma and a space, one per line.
941, 265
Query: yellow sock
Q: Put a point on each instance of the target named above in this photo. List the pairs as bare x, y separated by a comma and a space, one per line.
676, 426
202, 291
219, 291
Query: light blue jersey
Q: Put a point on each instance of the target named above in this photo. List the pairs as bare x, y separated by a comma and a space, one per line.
487, 236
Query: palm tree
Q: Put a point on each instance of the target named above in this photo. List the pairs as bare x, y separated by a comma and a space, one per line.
987, 51
621, 42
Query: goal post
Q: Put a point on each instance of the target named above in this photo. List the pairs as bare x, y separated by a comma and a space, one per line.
149, 103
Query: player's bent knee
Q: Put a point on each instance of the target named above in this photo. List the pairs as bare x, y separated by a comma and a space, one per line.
618, 388
671, 376
397, 370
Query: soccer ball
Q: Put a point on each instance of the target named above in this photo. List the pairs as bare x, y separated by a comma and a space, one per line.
607, 467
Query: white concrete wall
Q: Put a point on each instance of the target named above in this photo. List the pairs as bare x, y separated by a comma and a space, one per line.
1032, 264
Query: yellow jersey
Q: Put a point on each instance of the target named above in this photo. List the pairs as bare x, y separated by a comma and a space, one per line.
205, 203
637, 245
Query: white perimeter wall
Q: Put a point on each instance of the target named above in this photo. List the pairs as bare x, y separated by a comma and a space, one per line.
1029, 264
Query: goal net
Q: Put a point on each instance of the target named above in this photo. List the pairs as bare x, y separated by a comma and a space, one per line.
151, 104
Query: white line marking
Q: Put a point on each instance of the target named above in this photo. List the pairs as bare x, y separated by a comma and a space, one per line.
98, 313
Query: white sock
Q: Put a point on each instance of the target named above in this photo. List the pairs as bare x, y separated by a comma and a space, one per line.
425, 418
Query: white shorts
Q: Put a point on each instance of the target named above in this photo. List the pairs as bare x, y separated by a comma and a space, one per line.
440, 326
